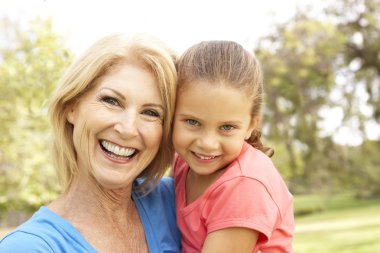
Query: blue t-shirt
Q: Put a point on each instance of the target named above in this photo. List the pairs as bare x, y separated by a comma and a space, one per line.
46, 231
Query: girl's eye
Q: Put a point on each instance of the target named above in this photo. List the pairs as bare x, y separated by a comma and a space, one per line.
192, 122
227, 127
151, 113
111, 101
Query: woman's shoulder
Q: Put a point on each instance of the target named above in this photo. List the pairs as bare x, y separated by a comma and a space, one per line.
166, 184
45, 231
159, 194
28, 237
24, 240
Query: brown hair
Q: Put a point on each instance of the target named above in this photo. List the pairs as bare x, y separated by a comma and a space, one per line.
226, 63
81, 76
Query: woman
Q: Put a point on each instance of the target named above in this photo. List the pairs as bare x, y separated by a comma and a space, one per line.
111, 115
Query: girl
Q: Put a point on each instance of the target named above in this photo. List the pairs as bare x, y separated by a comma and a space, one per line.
229, 196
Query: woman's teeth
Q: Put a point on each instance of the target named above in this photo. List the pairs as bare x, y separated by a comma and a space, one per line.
117, 150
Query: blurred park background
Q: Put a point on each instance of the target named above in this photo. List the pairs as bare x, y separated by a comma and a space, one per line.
322, 116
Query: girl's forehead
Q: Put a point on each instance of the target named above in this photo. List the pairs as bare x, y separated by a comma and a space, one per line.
210, 86
206, 100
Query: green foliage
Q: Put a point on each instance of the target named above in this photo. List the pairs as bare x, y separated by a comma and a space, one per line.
299, 72
364, 173
32, 58
360, 21
307, 62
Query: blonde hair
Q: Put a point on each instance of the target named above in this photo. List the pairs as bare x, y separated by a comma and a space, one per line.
81, 76
226, 63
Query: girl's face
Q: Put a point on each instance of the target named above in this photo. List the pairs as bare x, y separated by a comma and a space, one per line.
118, 126
210, 125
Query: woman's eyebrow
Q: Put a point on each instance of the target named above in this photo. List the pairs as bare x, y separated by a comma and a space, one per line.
155, 105
123, 97
114, 91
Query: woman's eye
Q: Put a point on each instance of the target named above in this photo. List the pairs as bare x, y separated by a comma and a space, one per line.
111, 101
227, 127
152, 113
192, 122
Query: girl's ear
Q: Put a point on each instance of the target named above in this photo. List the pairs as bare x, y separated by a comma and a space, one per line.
252, 126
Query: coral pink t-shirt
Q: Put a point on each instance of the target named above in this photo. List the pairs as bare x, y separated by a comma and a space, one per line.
250, 193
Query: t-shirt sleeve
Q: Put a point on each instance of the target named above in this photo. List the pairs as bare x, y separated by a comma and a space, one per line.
241, 202
22, 242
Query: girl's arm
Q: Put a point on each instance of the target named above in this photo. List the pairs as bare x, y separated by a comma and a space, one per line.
231, 240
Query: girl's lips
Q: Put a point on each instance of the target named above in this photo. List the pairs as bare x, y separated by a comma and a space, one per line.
204, 158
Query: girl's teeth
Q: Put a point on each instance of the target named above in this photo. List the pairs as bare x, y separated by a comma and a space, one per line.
206, 157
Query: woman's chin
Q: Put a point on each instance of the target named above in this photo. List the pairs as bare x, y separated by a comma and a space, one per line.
113, 180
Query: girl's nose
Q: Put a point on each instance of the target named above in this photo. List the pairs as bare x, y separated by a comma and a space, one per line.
208, 142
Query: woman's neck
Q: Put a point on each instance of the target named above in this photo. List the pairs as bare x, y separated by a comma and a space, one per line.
107, 219
85, 196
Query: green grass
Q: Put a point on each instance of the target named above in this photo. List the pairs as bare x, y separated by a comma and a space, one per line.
336, 224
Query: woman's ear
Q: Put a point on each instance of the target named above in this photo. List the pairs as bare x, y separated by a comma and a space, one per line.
71, 114
252, 126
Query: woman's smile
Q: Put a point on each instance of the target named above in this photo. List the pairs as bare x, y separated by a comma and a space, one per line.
123, 118
117, 153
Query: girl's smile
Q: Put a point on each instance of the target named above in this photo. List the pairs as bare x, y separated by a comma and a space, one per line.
210, 125
205, 158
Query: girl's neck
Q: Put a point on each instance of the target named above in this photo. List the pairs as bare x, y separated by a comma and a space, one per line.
197, 184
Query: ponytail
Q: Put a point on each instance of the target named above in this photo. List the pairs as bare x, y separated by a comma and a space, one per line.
255, 141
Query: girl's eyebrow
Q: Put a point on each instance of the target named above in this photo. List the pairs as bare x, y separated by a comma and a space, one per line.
231, 122
188, 115
237, 122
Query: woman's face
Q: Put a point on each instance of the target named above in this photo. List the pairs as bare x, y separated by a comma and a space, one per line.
118, 126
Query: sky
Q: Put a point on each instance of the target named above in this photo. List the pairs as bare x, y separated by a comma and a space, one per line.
180, 23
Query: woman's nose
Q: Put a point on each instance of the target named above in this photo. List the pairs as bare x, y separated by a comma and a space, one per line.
126, 124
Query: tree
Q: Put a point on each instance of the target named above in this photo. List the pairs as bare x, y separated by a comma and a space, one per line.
298, 62
313, 65
32, 58
359, 20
